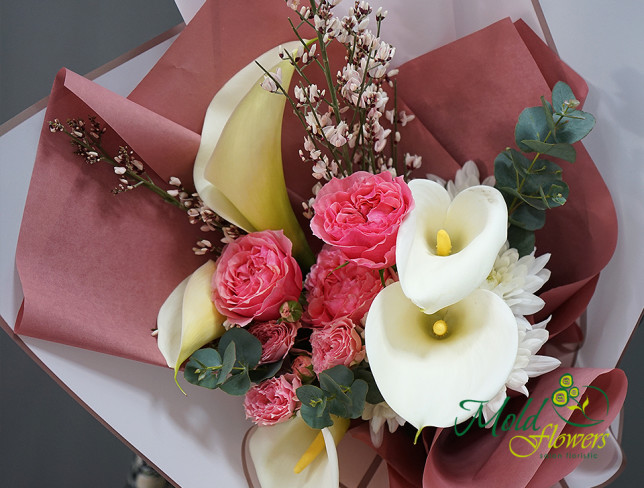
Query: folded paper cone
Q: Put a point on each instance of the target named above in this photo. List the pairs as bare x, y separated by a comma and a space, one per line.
95, 272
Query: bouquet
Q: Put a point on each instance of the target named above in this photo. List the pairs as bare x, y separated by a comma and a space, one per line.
414, 310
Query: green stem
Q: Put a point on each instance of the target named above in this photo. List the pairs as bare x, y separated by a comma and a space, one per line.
517, 202
148, 183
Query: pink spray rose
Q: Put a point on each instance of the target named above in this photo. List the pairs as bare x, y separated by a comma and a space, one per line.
272, 401
302, 367
335, 291
277, 338
336, 343
361, 214
255, 275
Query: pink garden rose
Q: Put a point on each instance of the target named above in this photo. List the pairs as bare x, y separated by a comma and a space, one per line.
277, 338
360, 214
336, 343
335, 291
255, 275
272, 401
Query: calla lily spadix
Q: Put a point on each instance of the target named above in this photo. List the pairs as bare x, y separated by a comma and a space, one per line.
426, 364
275, 451
469, 230
188, 318
238, 170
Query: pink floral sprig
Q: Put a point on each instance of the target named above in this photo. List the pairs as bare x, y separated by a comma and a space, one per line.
130, 171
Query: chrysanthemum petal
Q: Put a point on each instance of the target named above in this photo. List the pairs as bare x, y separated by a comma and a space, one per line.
541, 365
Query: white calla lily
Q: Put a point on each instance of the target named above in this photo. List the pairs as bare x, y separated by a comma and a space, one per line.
238, 170
424, 377
476, 223
276, 450
188, 318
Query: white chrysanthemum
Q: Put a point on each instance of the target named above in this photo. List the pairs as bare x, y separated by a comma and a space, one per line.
527, 364
517, 279
465, 177
377, 415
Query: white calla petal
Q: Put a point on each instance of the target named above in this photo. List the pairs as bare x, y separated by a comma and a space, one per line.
219, 111
188, 318
424, 378
239, 171
476, 221
276, 449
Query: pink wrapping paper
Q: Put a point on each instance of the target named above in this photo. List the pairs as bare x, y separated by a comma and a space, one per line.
95, 268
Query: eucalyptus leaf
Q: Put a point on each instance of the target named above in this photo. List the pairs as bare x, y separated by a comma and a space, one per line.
228, 362
561, 93
357, 394
547, 111
203, 368
528, 218
532, 125
522, 240
561, 150
340, 374
207, 356
237, 384
265, 371
373, 393
310, 395
574, 127
316, 417
504, 172
248, 348
339, 402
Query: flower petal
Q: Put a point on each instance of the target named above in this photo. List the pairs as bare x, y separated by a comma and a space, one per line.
275, 451
476, 221
424, 378
238, 171
188, 319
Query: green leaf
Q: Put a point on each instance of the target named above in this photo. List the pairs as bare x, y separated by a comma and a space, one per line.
340, 374
230, 357
373, 393
238, 384
316, 417
532, 125
562, 150
528, 218
538, 184
357, 395
547, 111
574, 127
265, 371
199, 369
315, 408
310, 395
561, 93
522, 240
339, 402
248, 348
543, 186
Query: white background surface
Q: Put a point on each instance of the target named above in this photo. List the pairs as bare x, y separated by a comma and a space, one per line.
141, 402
